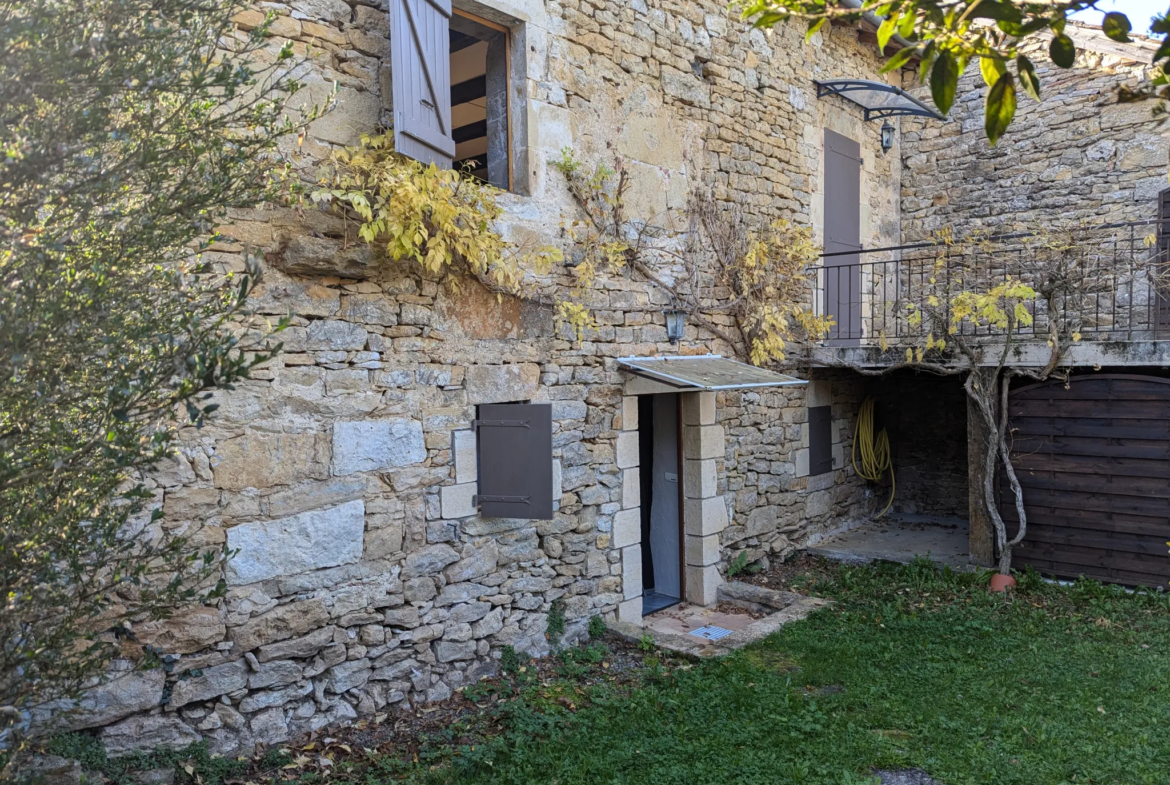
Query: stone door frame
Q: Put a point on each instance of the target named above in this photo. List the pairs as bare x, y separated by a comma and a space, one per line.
704, 510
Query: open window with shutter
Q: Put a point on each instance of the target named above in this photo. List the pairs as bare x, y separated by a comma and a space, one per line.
820, 440
458, 81
514, 445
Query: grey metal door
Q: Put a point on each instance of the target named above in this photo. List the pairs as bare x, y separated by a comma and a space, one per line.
665, 535
843, 235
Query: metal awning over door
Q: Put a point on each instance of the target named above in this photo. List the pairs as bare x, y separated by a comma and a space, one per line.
706, 372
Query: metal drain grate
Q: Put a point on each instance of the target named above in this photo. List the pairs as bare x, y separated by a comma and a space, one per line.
710, 633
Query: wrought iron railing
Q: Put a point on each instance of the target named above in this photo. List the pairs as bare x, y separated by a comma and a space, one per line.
1110, 282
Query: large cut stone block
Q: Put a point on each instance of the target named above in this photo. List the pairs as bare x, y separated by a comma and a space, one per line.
311, 495
627, 450
632, 572
702, 551
630, 611
305, 255
463, 449
627, 527
631, 488
334, 335
303, 299
630, 413
297, 648
308, 541
703, 584
703, 441
261, 460
457, 501
800, 458
371, 445
818, 393
698, 408
450, 651
705, 516
700, 478
501, 383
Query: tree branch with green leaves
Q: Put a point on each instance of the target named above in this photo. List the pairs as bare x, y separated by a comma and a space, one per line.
944, 36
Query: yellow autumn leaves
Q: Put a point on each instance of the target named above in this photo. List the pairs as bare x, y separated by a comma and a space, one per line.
435, 217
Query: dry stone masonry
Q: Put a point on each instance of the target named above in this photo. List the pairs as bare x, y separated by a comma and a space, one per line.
1078, 155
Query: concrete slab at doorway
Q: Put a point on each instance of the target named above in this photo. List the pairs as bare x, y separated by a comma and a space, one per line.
671, 628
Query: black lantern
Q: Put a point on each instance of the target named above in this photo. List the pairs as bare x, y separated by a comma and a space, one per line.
676, 322
887, 136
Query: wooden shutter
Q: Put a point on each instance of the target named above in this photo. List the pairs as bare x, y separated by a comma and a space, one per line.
842, 234
820, 440
421, 62
514, 441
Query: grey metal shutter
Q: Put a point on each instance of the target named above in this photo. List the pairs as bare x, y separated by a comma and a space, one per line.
820, 440
842, 234
514, 441
421, 61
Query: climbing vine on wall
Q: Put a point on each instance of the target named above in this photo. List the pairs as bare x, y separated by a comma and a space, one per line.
436, 217
747, 283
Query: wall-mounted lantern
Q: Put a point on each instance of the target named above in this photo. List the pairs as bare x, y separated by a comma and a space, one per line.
887, 136
676, 322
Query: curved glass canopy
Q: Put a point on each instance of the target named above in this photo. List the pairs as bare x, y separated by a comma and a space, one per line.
878, 99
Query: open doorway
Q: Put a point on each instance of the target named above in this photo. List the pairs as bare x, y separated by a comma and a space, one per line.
660, 428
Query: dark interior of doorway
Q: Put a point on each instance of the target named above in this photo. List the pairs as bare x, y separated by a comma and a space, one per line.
661, 478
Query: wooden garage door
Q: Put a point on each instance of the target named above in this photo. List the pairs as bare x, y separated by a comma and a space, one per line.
1094, 461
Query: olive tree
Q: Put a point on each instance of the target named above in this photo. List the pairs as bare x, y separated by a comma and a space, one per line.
126, 128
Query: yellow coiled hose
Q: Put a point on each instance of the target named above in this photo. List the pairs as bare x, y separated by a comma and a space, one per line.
875, 453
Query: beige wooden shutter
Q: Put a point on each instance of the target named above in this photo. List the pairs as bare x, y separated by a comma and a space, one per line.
421, 62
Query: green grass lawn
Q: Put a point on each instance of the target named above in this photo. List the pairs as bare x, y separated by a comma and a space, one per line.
909, 669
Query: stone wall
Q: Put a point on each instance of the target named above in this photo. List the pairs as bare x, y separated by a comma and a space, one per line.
777, 505
363, 580
1078, 155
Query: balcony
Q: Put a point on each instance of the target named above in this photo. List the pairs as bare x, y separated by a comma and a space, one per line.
1109, 284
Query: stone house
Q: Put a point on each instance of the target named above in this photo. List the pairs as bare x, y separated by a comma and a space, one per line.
361, 477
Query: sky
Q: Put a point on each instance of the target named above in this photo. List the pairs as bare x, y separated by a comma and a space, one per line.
1138, 11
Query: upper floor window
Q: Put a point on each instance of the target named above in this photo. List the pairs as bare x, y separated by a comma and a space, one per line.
456, 88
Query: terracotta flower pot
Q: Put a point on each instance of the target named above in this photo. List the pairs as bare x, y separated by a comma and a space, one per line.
1002, 582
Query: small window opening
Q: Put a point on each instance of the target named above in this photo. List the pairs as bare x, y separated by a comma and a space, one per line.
479, 98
